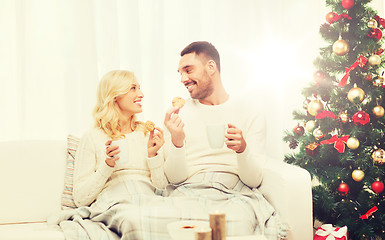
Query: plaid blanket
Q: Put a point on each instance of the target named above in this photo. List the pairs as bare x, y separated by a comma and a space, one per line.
128, 211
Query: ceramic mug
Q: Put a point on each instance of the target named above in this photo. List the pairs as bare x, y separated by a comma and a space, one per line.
216, 135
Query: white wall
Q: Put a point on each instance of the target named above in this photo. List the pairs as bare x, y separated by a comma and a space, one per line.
53, 53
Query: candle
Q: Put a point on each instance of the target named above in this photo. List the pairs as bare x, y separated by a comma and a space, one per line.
218, 225
203, 234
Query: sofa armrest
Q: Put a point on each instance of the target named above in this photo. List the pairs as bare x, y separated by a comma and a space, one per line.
32, 174
288, 189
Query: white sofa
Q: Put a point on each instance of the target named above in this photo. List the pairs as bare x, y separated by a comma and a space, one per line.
32, 180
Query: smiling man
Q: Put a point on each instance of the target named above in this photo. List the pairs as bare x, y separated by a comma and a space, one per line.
208, 174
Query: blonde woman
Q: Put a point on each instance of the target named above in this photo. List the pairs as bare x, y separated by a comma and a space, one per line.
97, 173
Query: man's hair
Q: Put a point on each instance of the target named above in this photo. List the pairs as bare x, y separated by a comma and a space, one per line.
205, 48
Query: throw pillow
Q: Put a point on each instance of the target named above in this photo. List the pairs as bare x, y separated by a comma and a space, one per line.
67, 200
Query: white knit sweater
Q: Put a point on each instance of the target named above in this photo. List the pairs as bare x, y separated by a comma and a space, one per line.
196, 156
92, 175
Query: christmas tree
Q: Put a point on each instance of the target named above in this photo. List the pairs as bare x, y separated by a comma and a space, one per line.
340, 136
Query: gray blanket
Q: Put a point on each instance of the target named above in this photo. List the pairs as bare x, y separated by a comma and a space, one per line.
126, 211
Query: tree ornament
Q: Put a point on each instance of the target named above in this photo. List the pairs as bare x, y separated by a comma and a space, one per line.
353, 143
343, 188
356, 94
378, 186
378, 157
343, 116
379, 82
347, 4
372, 23
331, 17
318, 76
340, 47
312, 149
374, 60
305, 103
361, 62
293, 144
325, 114
318, 134
381, 73
361, 118
310, 125
378, 111
299, 130
339, 142
375, 33
314, 106
358, 175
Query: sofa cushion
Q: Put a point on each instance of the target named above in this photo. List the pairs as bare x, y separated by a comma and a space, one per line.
67, 200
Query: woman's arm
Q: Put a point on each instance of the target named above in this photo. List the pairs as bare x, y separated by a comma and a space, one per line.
89, 176
156, 166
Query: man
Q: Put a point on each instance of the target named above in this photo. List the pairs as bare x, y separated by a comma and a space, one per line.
196, 169
199, 67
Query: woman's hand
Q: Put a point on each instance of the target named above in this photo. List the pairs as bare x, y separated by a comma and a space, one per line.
235, 140
111, 152
155, 142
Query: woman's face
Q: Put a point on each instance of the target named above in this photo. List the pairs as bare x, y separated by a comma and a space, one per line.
131, 102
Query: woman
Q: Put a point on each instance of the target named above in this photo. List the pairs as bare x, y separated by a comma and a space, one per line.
97, 174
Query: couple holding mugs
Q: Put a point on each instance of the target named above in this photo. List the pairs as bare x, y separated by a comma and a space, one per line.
175, 173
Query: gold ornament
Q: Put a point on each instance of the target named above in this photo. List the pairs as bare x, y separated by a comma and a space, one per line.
378, 156
378, 111
374, 60
314, 106
344, 117
358, 175
372, 23
310, 125
317, 133
356, 94
353, 143
340, 47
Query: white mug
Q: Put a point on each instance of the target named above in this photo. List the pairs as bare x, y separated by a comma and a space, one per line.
123, 148
216, 135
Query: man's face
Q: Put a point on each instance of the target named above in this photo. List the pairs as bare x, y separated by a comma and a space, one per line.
194, 76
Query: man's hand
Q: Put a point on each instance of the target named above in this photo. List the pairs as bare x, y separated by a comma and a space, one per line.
235, 140
155, 142
174, 124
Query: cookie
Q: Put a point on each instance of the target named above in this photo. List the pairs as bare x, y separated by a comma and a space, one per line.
178, 102
150, 126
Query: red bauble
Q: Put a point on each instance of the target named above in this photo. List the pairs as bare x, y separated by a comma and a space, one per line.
375, 33
347, 4
361, 118
377, 187
330, 17
299, 130
318, 76
343, 189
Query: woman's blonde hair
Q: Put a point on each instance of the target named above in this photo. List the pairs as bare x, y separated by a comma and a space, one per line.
106, 112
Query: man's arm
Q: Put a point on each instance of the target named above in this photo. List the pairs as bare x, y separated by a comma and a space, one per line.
175, 166
249, 146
